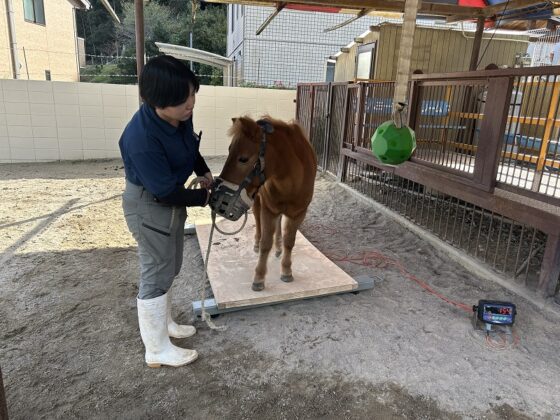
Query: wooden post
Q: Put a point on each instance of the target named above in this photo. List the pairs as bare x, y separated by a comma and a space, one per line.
343, 131
328, 127
413, 103
279, 7
470, 105
3, 405
550, 268
298, 102
358, 120
311, 112
405, 52
345, 107
139, 27
341, 172
492, 132
546, 137
476, 44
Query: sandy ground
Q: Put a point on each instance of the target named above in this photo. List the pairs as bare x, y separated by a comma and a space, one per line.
70, 346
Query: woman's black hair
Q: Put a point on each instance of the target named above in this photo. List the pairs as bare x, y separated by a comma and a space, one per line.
166, 81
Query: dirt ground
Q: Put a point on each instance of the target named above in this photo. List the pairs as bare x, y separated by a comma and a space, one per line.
70, 346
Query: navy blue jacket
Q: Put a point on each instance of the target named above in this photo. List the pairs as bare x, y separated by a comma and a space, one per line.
161, 157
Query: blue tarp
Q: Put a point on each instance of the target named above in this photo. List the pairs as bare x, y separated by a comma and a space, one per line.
534, 143
439, 108
384, 106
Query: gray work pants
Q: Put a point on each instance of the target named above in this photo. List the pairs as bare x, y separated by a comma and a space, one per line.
158, 229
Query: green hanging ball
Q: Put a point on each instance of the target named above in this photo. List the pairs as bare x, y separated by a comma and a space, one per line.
392, 145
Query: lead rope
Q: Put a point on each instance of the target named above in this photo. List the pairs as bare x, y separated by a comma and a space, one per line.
205, 317
203, 314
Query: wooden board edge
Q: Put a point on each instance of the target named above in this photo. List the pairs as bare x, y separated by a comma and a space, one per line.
363, 282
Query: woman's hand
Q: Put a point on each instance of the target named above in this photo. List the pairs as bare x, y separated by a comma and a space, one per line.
204, 181
210, 179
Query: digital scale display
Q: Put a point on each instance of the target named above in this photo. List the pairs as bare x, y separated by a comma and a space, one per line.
495, 312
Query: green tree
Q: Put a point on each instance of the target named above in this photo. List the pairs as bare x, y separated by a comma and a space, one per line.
168, 21
210, 34
98, 29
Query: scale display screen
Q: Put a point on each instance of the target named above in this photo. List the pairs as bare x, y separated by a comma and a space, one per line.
494, 312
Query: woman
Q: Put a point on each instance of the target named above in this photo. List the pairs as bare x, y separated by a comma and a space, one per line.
160, 151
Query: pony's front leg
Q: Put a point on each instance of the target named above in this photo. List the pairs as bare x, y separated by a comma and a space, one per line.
257, 215
288, 240
278, 237
268, 225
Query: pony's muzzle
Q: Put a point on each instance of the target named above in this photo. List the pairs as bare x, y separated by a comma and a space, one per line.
228, 200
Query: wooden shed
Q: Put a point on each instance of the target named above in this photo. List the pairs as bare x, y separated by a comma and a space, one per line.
374, 54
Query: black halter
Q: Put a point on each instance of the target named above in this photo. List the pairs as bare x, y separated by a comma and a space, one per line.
258, 168
226, 201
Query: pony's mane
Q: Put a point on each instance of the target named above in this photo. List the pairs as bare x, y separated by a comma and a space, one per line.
240, 126
245, 125
276, 123
289, 126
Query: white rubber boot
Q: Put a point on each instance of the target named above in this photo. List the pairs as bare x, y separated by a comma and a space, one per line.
175, 330
152, 318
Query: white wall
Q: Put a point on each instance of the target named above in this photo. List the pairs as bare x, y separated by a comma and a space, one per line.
45, 121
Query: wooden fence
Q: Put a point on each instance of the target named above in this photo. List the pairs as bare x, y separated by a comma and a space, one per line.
486, 172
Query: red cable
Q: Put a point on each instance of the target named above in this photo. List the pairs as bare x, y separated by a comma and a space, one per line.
379, 260
366, 260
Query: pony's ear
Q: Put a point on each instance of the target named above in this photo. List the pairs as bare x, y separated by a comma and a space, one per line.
233, 120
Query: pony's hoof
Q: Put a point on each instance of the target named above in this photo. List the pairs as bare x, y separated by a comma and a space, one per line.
257, 287
287, 278
256, 249
278, 253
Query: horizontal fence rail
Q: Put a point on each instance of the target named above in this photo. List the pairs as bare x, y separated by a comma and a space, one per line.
511, 114
475, 132
531, 153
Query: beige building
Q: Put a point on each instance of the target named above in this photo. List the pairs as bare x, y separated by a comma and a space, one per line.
38, 39
374, 54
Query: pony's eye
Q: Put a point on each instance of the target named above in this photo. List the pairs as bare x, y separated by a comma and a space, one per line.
243, 160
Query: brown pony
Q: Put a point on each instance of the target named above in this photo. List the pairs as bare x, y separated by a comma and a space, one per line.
290, 166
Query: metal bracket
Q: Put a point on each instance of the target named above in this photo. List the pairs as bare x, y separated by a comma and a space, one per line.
190, 229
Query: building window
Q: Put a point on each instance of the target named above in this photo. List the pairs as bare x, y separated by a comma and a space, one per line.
47, 75
329, 75
34, 11
365, 61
